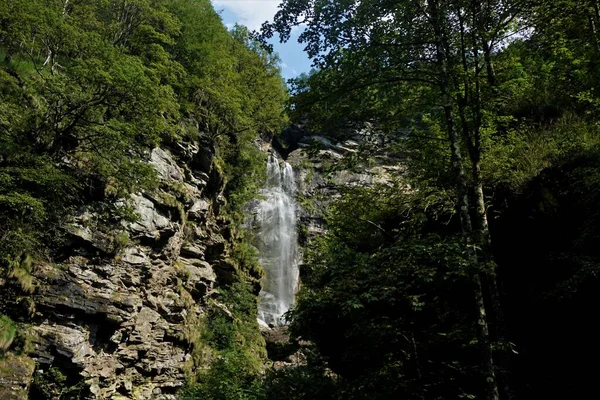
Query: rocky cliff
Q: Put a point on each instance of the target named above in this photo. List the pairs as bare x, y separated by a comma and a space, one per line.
117, 312
325, 163
114, 316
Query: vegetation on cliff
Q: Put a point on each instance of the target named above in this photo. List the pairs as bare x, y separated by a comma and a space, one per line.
89, 87
87, 90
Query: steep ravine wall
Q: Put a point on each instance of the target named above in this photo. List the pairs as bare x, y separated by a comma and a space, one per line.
115, 316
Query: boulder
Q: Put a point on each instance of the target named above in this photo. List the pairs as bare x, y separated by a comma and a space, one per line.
165, 166
151, 224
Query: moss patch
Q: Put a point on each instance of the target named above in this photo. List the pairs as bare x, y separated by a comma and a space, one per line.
8, 331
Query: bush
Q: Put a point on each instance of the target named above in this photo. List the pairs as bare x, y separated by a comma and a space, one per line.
230, 331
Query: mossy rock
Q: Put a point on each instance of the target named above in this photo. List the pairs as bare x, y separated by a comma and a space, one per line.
15, 376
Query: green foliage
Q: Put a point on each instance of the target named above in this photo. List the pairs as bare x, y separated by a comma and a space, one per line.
231, 333
495, 106
301, 383
566, 47
245, 174
53, 384
380, 295
515, 158
75, 121
8, 331
246, 257
226, 380
87, 88
545, 237
506, 94
24, 279
232, 95
121, 240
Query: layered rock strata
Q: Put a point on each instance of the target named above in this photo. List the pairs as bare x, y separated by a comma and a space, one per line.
115, 315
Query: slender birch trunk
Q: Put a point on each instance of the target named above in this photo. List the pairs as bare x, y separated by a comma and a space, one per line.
486, 356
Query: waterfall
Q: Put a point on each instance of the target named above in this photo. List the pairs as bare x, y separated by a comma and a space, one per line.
277, 242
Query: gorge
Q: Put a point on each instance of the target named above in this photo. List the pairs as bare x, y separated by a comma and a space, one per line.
434, 184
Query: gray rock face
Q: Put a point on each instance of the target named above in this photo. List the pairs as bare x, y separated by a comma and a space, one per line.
199, 210
117, 317
165, 166
16, 373
151, 223
318, 183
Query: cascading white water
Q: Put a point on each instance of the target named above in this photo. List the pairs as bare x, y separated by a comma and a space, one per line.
278, 242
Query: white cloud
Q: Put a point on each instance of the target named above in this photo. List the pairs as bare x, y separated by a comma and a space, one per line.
251, 13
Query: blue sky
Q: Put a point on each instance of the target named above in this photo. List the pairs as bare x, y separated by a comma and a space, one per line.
253, 13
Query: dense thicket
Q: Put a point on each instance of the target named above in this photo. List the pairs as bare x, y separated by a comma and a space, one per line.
478, 282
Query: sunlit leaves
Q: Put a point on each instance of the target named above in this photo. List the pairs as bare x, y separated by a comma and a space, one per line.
88, 87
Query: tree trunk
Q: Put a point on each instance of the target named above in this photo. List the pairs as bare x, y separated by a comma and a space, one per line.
489, 65
486, 356
483, 238
455, 151
595, 21
491, 281
419, 392
485, 347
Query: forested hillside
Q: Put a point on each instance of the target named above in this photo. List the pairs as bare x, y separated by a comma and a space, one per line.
89, 86
129, 130
475, 276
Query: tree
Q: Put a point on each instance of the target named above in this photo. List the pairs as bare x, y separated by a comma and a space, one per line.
88, 87
385, 305
385, 50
